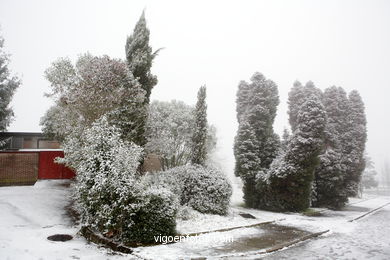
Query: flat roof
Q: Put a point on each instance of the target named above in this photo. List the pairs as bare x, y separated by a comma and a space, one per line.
8, 134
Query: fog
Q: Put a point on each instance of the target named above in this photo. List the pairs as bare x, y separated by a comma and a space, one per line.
217, 43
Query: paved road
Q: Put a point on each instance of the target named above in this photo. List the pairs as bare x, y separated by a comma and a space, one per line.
369, 240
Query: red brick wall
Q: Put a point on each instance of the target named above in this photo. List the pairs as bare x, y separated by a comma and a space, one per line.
18, 168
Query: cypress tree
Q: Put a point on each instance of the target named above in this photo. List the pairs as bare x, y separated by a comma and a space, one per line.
330, 174
287, 184
256, 144
354, 141
248, 163
199, 139
139, 58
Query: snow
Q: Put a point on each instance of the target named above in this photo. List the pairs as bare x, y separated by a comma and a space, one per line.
29, 214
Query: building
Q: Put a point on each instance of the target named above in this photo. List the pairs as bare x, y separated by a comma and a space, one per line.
25, 140
27, 157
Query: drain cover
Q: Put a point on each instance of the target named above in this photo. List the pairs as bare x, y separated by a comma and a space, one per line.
246, 215
60, 237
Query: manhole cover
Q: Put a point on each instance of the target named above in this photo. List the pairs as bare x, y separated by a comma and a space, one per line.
246, 215
60, 237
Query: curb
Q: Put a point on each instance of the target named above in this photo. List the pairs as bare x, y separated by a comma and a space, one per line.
231, 228
277, 247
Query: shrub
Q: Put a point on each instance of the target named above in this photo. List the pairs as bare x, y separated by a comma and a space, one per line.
155, 217
205, 189
110, 194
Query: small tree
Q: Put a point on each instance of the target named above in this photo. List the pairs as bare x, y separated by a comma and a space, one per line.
93, 87
199, 138
169, 131
369, 174
8, 86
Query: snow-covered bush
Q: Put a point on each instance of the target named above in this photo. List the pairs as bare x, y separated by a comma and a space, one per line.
156, 216
205, 189
109, 193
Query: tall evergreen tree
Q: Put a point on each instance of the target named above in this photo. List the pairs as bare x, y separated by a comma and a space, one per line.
256, 144
330, 174
354, 142
287, 184
8, 86
139, 57
248, 164
199, 139
261, 113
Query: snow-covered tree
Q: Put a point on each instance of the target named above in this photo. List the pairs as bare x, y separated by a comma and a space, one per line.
94, 87
261, 114
169, 132
287, 184
199, 138
109, 194
354, 143
256, 144
369, 175
246, 148
140, 56
8, 86
330, 174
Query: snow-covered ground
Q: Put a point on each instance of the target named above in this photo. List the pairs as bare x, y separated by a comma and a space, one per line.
29, 214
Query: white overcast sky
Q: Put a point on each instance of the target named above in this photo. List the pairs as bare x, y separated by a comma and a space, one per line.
217, 43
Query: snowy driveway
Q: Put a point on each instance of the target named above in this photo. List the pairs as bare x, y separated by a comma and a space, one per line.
369, 239
29, 214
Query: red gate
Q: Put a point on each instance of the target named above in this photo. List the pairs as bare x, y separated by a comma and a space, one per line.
48, 169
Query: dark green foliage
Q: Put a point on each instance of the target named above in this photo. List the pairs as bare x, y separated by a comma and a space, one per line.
287, 184
8, 86
246, 150
199, 138
156, 217
328, 190
140, 57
